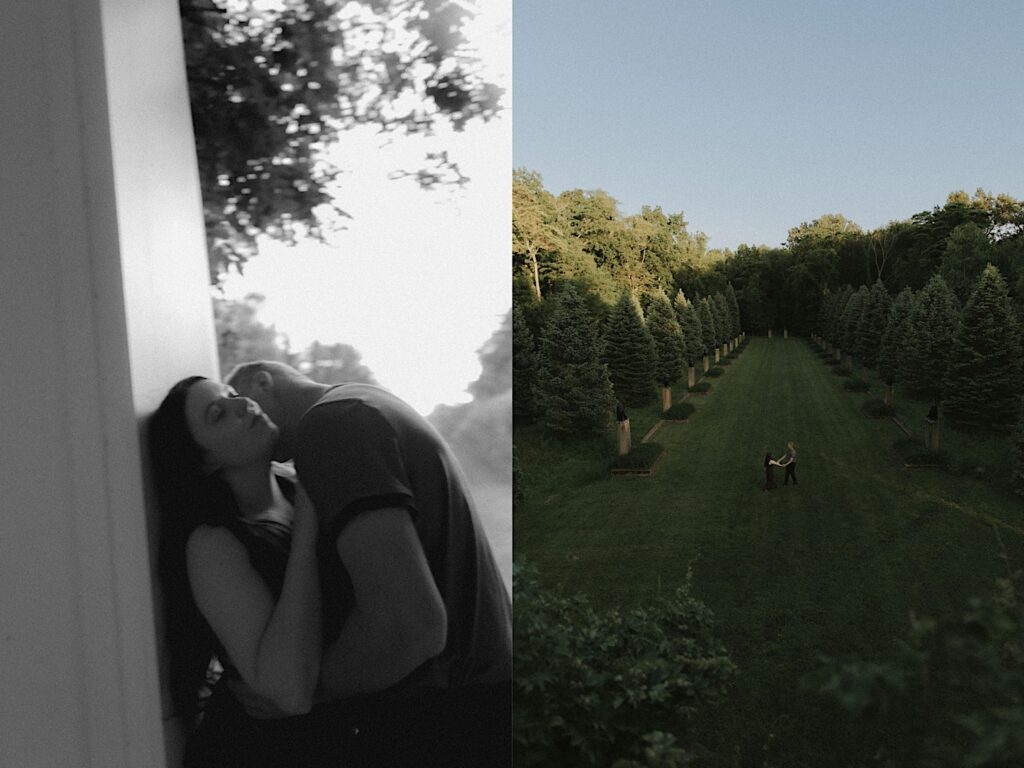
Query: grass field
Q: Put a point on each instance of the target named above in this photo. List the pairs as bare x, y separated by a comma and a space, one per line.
833, 566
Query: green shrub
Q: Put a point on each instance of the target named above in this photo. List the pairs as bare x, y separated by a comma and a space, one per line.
592, 687
831, 361
856, 384
679, 411
715, 372
842, 370
951, 694
876, 409
642, 456
727, 360
700, 386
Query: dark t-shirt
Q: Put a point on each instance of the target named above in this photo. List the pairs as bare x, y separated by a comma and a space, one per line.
360, 449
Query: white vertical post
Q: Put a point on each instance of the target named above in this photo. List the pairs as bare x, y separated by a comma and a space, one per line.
103, 305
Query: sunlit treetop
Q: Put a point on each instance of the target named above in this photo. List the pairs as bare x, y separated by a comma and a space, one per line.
273, 83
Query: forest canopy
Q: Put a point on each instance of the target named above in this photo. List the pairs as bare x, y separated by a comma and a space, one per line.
582, 237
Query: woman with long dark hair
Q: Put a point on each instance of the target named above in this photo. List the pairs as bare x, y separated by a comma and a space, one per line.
240, 581
769, 471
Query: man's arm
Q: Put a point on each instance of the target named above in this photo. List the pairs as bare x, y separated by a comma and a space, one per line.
399, 618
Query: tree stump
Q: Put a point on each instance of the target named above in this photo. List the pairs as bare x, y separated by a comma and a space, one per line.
691, 376
706, 364
931, 441
666, 398
625, 443
717, 356
769, 333
785, 333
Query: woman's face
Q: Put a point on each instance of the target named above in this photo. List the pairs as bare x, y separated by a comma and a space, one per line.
232, 430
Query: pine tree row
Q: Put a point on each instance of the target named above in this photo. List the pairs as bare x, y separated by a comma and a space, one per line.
966, 359
570, 369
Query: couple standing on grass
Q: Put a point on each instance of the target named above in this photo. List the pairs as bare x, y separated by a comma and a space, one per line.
788, 461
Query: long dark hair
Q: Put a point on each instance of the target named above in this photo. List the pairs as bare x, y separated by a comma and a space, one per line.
188, 496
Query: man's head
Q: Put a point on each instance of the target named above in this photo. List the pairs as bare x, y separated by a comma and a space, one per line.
282, 392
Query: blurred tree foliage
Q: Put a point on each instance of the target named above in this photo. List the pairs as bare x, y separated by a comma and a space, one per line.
334, 364
271, 84
242, 338
480, 431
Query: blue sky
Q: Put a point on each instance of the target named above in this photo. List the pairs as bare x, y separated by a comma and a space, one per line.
752, 117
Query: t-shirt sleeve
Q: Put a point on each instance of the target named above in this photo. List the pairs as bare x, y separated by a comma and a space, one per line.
348, 459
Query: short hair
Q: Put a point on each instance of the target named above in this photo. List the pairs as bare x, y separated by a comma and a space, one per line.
241, 375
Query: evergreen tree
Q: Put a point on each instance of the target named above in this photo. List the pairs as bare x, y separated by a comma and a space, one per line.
573, 388
629, 354
984, 362
668, 339
894, 339
708, 330
689, 323
835, 320
967, 252
850, 319
723, 320
932, 325
734, 309
872, 324
524, 368
821, 325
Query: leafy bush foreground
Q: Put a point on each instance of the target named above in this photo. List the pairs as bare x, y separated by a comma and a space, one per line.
951, 695
611, 688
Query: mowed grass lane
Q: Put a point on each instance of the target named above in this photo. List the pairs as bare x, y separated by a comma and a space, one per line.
833, 566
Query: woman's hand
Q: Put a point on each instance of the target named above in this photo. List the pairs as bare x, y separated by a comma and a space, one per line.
304, 512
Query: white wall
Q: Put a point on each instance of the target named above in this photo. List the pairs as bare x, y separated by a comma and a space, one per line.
103, 305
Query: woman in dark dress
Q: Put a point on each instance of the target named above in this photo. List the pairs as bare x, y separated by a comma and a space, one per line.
769, 472
241, 586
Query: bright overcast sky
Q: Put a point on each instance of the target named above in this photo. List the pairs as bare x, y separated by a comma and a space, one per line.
419, 280
752, 117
